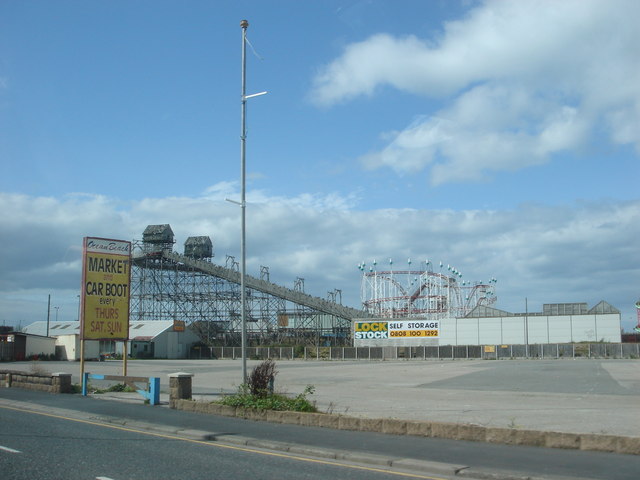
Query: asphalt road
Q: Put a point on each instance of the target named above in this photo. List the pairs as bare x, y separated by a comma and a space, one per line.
30, 435
45, 447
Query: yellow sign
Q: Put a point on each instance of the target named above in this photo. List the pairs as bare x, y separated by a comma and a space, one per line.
178, 325
414, 328
370, 330
413, 333
106, 278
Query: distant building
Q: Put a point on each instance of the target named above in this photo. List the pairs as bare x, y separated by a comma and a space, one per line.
18, 346
147, 339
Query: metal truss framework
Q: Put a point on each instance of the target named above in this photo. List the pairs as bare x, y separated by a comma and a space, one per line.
169, 286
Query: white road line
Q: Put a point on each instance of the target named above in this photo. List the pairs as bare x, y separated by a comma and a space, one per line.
103, 478
10, 450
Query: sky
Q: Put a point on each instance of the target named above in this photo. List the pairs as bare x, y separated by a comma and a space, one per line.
502, 137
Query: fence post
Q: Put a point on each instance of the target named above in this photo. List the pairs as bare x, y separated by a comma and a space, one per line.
85, 380
154, 390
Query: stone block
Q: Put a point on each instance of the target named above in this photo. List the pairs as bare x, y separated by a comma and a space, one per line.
371, 424
505, 436
225, 410
61, 382
252, 414
348, 423
394, 426
562, 440
419, 429
629, 445
600, 443
444, 430
180, 386
533, 438
274, 416
472, 433
310, 419
329, 421
186, 405
292, 418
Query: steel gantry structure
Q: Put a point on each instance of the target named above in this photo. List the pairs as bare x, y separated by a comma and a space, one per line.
166, 285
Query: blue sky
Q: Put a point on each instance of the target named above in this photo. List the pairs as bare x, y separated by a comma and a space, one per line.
502, 137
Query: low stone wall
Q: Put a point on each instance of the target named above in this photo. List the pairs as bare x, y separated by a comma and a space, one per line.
453, 431
49, 382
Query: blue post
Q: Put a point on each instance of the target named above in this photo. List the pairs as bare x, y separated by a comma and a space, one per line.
154, 390
85, 380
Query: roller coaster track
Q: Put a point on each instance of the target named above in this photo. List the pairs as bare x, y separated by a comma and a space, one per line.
294, 296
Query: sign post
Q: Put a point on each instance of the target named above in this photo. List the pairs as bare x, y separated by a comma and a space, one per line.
104, 300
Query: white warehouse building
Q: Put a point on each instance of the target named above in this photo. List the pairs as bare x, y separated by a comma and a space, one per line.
557, 323
147, 339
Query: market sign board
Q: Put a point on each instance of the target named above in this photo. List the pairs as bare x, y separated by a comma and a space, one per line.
106, 279
390, 332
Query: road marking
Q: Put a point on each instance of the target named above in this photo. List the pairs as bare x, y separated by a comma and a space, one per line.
230, 447
103, 478
10, 450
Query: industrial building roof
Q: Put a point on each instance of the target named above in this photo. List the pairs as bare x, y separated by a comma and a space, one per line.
549, 309
137, 329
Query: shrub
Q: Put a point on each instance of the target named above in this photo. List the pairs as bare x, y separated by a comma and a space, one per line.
261, 380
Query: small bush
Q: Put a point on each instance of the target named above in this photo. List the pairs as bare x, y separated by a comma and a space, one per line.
261, 380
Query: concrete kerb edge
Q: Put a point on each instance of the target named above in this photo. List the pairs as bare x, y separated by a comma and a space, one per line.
454, 431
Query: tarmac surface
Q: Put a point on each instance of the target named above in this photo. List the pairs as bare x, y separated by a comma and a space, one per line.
565, 395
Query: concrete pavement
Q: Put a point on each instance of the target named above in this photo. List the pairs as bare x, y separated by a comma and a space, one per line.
574, 396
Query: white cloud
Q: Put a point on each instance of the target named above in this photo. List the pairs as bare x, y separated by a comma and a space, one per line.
572, 254
520, 81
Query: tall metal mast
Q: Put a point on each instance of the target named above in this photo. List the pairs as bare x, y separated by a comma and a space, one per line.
243, 258
244, 24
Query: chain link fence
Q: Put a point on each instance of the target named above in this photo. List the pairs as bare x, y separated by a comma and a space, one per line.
486, 352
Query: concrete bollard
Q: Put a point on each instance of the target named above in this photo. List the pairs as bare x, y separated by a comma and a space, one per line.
179, 387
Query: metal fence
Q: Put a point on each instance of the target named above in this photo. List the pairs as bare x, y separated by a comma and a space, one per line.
487, 352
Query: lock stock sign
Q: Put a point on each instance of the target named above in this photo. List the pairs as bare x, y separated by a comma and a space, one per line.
106, 278
373, 330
